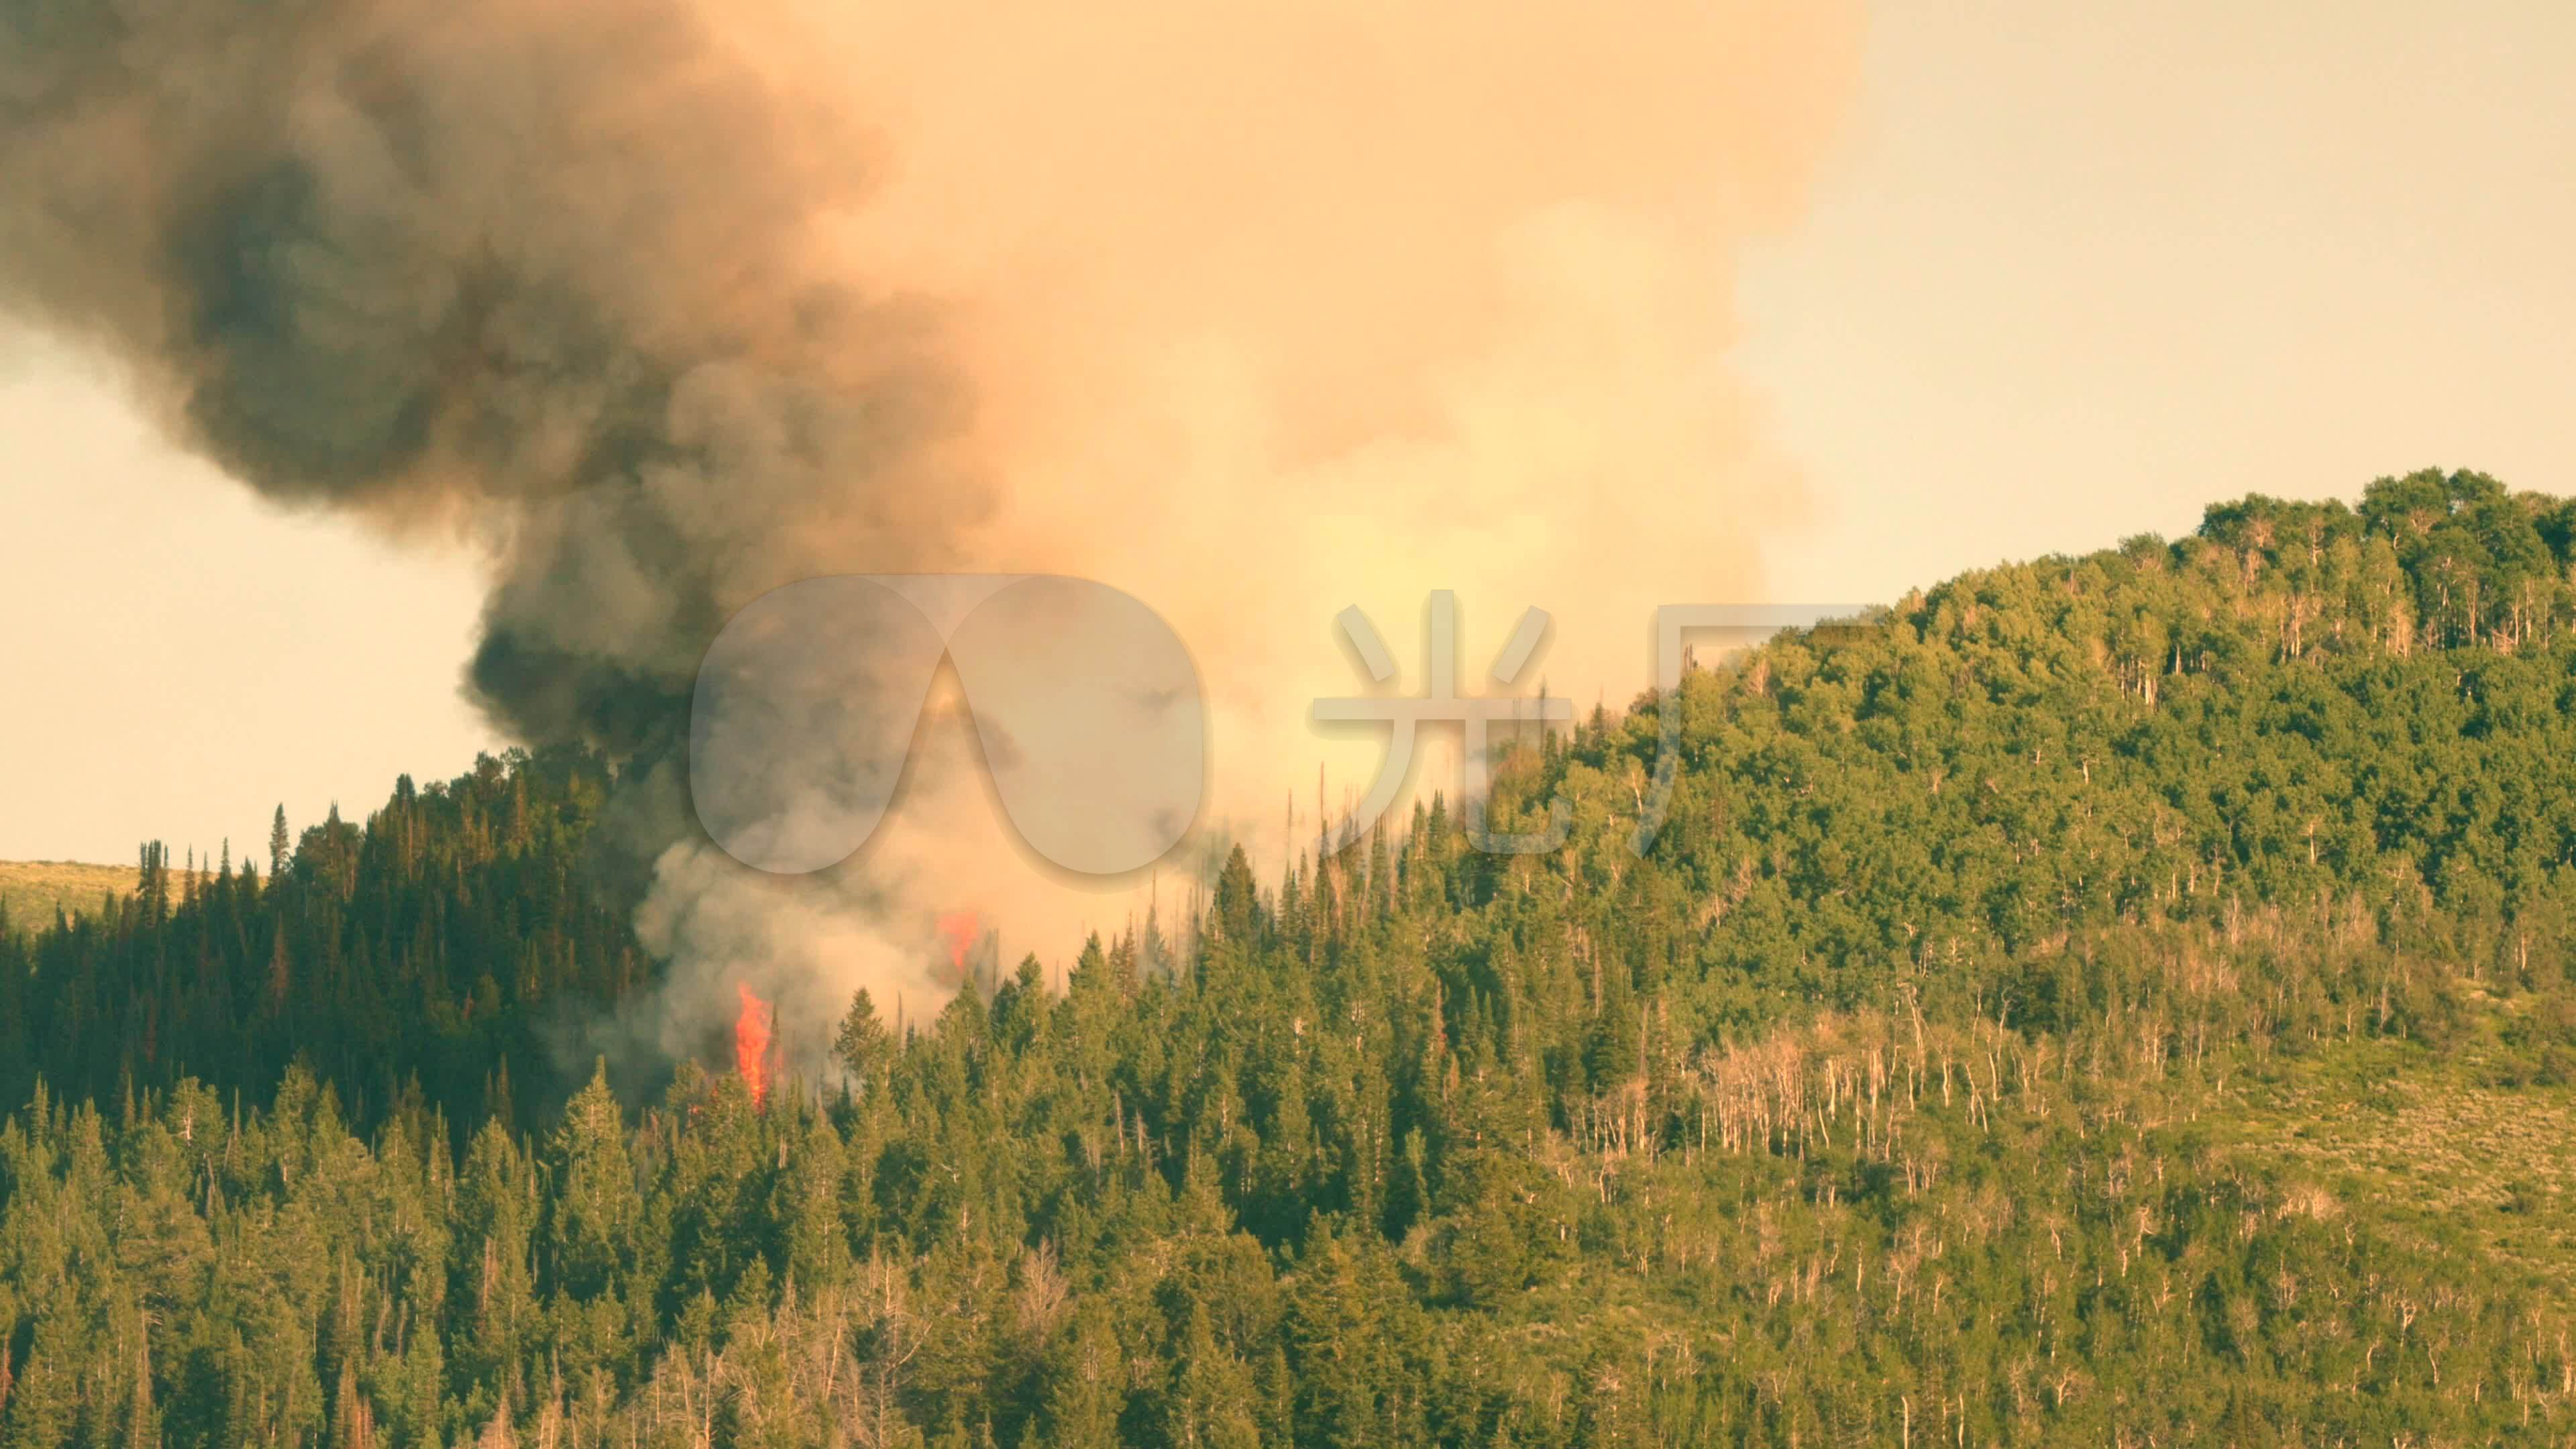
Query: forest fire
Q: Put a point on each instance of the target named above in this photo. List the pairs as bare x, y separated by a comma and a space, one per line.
753, 1031
959, 930
974, 952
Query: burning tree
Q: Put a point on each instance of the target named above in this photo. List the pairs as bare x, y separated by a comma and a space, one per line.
755, 1030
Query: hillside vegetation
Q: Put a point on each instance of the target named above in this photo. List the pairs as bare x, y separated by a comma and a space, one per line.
32, 891
2120, 999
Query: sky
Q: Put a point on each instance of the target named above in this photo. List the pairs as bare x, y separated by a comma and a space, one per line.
2069, 274
2081, 270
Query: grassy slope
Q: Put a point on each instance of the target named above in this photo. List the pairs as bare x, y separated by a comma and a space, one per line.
32, 888
2458, 1148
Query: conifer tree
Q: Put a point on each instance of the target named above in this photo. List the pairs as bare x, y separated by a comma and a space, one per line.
277, 844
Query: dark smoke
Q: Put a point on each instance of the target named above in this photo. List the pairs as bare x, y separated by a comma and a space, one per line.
545, 273
1269, 310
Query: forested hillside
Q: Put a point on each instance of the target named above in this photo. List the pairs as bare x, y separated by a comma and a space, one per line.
415, 958
2107, 1000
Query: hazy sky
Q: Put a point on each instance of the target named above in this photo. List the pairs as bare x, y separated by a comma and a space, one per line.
2083, 269
2073, 273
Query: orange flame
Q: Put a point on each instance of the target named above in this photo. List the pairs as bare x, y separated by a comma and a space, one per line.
958, 929
751, 1037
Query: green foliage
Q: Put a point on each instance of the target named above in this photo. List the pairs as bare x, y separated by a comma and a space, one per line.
412, 961
2101, 1000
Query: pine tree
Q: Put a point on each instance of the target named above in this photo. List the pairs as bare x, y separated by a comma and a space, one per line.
862, 1044
278, 845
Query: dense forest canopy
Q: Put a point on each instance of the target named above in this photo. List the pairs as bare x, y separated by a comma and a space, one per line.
2015, 1034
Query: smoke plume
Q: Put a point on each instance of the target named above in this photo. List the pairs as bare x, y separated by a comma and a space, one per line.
1274, 310
1252, 312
